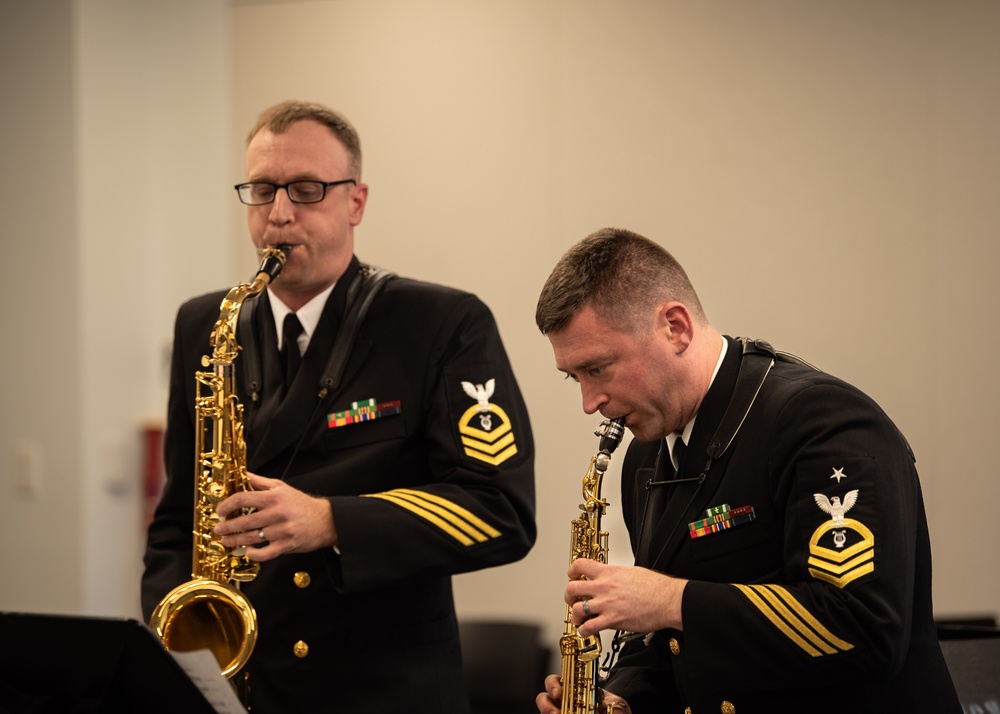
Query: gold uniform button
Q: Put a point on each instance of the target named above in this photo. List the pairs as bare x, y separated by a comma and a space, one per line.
687, 710
675, 646
302, 579
728, 707
301, 649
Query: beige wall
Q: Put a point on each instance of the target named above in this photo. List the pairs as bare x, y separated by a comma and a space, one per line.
38, 290
117, 156
823, 170
826, 172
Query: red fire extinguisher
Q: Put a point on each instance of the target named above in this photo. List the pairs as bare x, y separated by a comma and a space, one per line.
155, 476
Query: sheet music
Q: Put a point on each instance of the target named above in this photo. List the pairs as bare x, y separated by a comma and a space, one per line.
203, 669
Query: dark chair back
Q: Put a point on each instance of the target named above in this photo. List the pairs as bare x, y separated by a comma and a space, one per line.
505, 665
973, 657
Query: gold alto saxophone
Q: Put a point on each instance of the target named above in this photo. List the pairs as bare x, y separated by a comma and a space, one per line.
209, 611
580, 654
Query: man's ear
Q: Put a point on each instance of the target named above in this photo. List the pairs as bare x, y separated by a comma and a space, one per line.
675, 324
359, 198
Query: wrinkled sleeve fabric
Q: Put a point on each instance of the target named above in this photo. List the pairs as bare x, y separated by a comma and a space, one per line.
474, 506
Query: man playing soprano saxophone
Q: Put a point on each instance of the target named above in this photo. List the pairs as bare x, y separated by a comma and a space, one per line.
368, 494
790, 573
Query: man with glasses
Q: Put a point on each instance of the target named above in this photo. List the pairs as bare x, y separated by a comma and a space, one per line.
387, 449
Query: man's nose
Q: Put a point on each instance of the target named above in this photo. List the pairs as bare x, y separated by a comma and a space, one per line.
593, 399
282, 208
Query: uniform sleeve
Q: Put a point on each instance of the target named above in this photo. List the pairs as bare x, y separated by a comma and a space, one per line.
476, 508
840, 609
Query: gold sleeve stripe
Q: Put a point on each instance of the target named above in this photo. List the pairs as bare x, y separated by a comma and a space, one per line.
777, 621
808, 618
451, 518
800, 627
454, 508
793, 620
429, 517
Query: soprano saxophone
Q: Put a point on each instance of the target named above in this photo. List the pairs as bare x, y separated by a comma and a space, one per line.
580, 654
209, 611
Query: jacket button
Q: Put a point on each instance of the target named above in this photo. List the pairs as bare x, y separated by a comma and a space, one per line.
728, 707
687, 710
301, 649
302, 579
675, 646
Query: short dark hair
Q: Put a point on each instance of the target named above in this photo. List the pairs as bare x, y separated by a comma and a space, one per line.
621, 274
282, 115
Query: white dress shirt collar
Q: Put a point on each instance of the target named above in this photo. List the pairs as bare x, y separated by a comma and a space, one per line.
685, 435
308, 315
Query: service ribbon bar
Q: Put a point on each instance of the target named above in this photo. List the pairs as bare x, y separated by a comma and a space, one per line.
721, 518
363, 411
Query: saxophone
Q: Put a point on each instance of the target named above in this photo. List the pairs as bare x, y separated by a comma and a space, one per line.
580, 654
209, 611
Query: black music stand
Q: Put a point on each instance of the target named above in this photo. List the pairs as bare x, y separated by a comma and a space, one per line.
89, 665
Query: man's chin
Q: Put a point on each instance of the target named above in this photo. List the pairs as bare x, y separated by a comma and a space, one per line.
642, 432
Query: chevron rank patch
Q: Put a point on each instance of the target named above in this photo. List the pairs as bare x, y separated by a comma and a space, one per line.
842, 547
485, 428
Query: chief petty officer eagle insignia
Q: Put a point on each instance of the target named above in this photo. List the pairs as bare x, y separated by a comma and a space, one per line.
481, 438
834, 507
840, 565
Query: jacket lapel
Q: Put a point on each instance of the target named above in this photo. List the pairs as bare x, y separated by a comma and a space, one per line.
288, 417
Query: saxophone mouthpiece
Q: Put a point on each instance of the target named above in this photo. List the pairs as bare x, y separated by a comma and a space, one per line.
283, 248
273, 260
611, 433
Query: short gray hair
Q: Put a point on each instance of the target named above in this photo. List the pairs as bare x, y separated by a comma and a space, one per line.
282, 115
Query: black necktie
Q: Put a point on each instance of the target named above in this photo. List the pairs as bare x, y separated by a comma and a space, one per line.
290, 355
677, 453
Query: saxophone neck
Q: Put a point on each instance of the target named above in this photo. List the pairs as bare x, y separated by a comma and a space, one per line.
610, 431
271, 263
224, 335
592, 481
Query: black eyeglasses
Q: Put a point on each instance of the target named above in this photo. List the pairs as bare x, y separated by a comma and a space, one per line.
259, 193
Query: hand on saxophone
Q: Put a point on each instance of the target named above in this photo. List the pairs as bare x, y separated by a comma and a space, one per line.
550, 701
283, 519
615, 597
